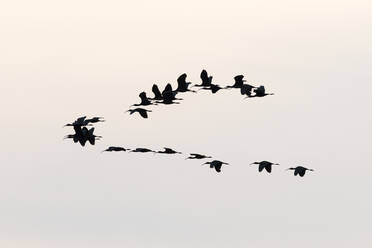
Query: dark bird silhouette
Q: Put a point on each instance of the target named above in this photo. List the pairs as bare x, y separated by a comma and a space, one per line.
115, 149
82, 121
264, 165
157, 94
82, 135
169, 151
142, 150
246, 89
141, 111
238, 82
89, 135
169, 96
78, 122
213, 87
182, 84
206, 80
216, 164
300, 170
197, 156
260, 92
144, 100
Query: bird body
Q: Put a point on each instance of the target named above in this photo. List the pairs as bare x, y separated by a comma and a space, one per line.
238, 82
206, 80
265, 165
216, 164
197, 156
169, 151
115, 149
141, 111
260, 92
300, 170
144, 100
142, 150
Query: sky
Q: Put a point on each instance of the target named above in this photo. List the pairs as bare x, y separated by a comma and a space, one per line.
62, 60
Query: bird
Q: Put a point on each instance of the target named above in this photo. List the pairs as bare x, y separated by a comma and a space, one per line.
82, 135
169, 151
260, 92
299, 170
78, 122
182, 84
115, 149
157, 94
142, 150
246, 89
212, 87
141, 111
197, 156
144, 100
82, 121
206, 80
238, 82
264, 165
216, 164
88, 134
169, 96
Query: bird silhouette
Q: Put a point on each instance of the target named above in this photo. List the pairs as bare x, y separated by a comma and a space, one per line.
216, 164
197, 156
141, 111
299, 170
94, 120
169, 151
142, 150
169, 96
206, 80
78, 122
157, 94
144, 100
212, 87
82, 135
238, 82
260, 92
82, 121
264, 165
115, 149
246, 89
182, 84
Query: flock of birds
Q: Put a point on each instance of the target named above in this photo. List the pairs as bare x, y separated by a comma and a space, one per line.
168, 96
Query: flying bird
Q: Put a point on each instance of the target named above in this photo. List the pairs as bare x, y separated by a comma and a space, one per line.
169, 96
238, 82
82, 135
265, 165
157, 94
260, 92
197, 156
115, 149
182, 84
206, 80
216, 164
300, 170
142, 150
141, 111
78, 122
213, 87
169, 151
144, 100
246, 89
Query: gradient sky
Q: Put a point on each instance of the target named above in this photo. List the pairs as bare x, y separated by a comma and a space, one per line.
61, 60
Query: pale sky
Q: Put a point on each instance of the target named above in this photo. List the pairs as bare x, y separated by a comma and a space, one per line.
61, 60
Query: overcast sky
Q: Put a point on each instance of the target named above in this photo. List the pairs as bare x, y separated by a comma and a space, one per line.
64, 59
